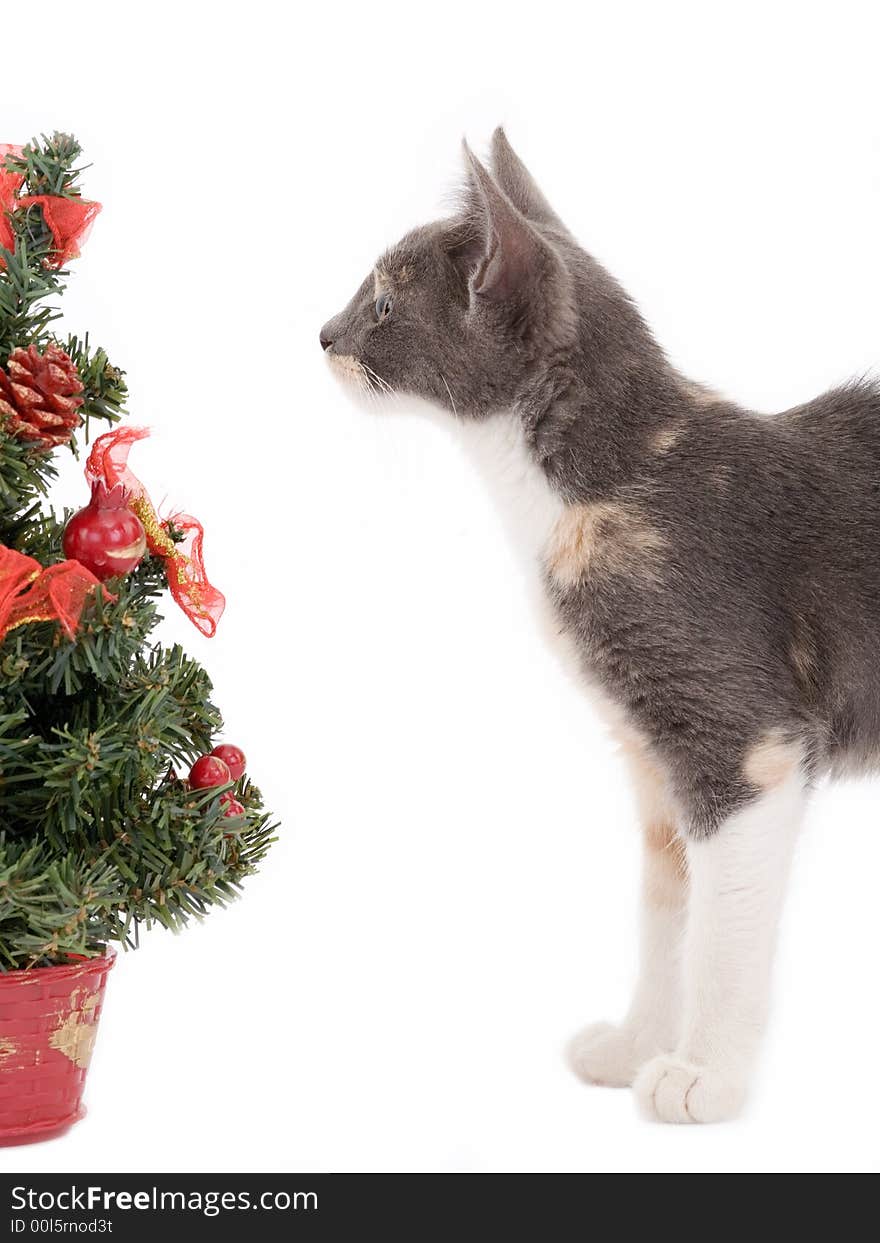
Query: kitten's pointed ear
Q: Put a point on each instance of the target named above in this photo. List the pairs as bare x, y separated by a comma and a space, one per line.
517, 183
512, 249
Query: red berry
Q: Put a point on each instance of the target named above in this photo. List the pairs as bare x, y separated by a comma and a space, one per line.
207, 772
105, 536
234, 759
233, 807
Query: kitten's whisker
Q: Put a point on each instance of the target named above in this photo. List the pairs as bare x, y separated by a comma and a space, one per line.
384, 386
368, 388
449, 391
384, 383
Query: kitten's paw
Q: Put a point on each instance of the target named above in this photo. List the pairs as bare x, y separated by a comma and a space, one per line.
669, 1089
608, 1055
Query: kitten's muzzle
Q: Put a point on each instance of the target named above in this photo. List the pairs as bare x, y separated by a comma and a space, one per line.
325, 340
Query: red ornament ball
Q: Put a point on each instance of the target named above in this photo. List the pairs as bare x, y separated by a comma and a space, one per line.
207, 772
234, 759
233, 807
105, 536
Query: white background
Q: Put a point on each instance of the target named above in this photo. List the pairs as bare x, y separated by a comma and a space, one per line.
454, 889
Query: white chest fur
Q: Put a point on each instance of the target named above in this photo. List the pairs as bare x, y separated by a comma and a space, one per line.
526, 505
530, 512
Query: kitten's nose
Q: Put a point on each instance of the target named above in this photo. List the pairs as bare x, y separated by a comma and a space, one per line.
325, 341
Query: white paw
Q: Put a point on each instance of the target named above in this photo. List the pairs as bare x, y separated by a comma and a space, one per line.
609, 1055
669, 1089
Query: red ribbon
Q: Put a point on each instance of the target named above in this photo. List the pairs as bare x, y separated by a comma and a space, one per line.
69, 220
30, 593
187, 580
10, 184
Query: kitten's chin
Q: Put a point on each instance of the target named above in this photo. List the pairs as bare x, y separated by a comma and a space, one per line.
362, 386
347, 369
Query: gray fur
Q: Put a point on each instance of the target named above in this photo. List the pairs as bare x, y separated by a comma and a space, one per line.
762, 613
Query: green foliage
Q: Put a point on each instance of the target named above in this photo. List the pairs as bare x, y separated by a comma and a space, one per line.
26, 283
24, 475
49, 166
98, 837
104, 388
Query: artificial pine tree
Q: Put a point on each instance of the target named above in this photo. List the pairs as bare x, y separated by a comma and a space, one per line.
98, 835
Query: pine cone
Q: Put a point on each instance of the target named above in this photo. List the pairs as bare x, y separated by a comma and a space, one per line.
40, 396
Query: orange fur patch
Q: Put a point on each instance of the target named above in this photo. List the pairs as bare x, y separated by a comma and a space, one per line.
772, 760
666, 438
603, 536
386, 277
666, 871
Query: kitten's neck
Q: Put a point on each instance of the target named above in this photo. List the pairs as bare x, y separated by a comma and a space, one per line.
588, 432
563, 443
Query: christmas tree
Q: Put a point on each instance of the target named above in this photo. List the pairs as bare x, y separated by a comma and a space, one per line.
98, 835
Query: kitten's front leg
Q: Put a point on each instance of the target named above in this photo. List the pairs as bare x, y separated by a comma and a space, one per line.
737, 883
612, 1054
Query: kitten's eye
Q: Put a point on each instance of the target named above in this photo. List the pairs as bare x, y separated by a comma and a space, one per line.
383, 306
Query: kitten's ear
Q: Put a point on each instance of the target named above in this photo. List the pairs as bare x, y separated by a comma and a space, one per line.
517, 183
511, 250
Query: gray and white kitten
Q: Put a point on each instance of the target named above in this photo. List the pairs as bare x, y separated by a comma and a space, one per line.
718, 572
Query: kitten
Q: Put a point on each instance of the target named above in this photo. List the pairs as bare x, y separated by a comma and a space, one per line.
717, 571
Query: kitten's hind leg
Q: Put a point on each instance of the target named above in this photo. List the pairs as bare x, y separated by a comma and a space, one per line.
611, 1054
737, 883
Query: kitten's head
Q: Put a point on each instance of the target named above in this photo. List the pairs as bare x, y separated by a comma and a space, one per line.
462, 311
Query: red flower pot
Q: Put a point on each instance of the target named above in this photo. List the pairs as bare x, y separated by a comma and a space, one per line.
48, 1020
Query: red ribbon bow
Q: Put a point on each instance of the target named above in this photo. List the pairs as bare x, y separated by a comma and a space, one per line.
69, 220
187, 580
30, 593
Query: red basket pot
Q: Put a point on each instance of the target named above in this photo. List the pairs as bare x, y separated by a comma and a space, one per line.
48, 1020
